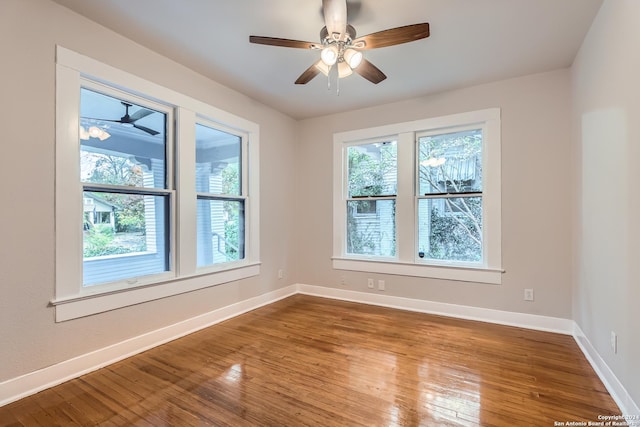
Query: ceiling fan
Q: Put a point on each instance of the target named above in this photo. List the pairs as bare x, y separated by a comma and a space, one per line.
130, 120
340, 47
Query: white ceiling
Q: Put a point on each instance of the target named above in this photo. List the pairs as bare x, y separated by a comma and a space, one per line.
471, 42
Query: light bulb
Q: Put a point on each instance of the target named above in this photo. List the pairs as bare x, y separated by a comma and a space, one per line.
95, 132
352, 57
329, 54
324, 68
344, 70
103, 135
84, 135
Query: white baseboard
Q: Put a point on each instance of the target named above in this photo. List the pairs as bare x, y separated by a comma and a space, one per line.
522, 320
614, 386
33, 382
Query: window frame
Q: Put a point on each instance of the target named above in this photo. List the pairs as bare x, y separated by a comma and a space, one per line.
407, 262
71, 299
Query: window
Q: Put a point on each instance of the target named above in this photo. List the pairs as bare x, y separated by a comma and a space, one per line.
366, 207
153, 190
372, 187
450, 195
424, 201
220, 194
123, 172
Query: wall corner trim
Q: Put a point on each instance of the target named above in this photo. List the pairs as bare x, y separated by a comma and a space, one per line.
613, 385
508, 318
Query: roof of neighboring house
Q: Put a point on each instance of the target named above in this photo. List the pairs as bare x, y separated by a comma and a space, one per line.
100, 200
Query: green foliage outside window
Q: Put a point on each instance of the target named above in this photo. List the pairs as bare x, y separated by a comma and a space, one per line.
372, 172
452, 163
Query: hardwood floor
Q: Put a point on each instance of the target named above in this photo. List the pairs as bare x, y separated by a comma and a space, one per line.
313, 361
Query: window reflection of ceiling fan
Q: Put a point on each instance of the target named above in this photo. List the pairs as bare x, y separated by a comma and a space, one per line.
130, 120
339, 45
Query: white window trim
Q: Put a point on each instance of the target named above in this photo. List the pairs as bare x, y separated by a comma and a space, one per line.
71, 299
406, 262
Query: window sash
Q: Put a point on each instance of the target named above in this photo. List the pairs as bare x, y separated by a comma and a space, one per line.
210, 255
371, 235
242, 157
375, 230
458, 236
128, 269
168, 111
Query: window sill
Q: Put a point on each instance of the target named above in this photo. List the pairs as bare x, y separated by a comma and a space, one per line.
459, 273
82, 305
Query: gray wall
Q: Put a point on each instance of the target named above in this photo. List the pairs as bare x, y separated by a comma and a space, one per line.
606, 106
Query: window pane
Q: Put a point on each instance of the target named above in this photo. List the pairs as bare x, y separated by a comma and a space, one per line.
220, 231
451, 163
124, 236
218, 156
450, 229
373, 169
121, 143
371, 230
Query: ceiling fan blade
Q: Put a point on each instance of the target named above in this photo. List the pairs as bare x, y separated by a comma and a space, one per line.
308, 74
143, 112
335, 16
370, 72
101, 120
146, 129
393, 36
275, 41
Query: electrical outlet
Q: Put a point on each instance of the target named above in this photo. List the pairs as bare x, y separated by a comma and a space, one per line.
343, 280
280, 274
528, 294
381, 285
370, 283
614, 342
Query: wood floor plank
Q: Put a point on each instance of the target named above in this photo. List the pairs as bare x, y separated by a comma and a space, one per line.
309, 361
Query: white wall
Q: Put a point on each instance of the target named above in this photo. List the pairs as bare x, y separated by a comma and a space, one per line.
29, 337
536, 162
606, 106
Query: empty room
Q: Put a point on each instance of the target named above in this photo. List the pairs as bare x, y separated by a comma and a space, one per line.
320, 212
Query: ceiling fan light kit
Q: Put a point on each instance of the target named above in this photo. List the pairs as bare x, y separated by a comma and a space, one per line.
93, 132
339, 45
